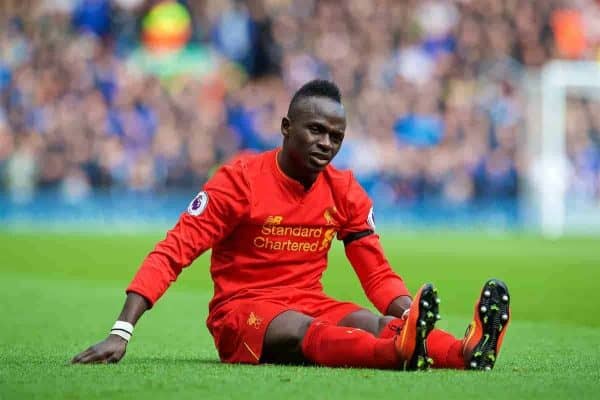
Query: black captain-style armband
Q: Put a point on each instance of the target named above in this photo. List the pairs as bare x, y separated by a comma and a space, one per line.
357, 235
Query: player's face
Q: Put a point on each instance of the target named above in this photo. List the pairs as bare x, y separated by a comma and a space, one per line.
314, 134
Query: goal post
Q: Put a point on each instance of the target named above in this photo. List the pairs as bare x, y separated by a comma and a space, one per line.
548, 171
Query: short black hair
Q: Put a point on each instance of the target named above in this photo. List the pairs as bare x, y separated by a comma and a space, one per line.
316, 88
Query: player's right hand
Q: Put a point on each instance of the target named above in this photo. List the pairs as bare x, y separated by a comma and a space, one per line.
110, 350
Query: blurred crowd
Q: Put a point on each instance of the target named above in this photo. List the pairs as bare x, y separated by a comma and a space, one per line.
433, 92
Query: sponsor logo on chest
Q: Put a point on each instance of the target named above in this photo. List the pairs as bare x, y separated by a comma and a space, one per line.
276, 236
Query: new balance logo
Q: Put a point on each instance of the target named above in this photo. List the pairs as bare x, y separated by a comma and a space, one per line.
274, 220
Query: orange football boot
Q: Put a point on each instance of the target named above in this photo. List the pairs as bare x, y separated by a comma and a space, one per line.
484, 335
411, 343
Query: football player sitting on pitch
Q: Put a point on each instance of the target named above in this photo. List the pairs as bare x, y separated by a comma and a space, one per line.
270, 219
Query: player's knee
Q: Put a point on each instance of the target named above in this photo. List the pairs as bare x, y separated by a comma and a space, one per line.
285, 333
302, 329
362, 319
295, 331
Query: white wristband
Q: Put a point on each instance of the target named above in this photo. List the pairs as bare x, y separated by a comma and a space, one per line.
122, 329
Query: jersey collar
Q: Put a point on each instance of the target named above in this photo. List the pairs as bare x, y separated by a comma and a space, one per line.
293, 185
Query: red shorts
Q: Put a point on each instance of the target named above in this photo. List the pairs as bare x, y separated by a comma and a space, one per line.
239, 334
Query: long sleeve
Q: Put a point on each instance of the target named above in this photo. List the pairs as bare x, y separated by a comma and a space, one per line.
210, 217
379, 281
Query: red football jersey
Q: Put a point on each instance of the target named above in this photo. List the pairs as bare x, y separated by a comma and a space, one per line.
269, 234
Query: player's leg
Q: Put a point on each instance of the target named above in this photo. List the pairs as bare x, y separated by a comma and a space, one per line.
293, 337
409, 335
269, 331
443, 348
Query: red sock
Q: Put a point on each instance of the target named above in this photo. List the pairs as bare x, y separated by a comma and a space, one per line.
392, 328
338, 346
445, 350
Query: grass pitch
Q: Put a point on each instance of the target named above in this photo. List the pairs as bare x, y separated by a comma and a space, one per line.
61, 293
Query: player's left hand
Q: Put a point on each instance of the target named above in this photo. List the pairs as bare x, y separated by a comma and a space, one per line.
110, 350
399, 306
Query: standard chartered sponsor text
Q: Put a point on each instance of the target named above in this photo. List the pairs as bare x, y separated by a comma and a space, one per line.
289, 238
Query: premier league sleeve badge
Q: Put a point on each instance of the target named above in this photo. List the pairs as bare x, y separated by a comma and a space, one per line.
198, 204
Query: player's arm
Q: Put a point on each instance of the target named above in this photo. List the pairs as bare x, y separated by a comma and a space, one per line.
210, 217
381, 284
384, 288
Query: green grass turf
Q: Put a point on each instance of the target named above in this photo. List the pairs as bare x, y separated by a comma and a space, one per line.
60, 293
